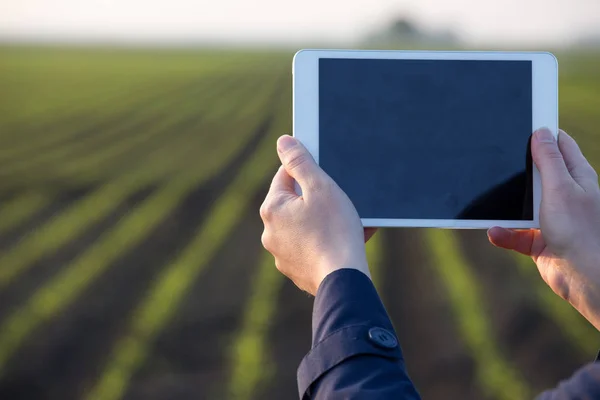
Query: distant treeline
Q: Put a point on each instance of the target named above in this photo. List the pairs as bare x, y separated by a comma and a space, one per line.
402, 30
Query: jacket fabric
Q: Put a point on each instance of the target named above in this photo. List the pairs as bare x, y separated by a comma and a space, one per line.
356, 354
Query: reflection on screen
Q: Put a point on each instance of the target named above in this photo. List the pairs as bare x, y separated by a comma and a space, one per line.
428, 139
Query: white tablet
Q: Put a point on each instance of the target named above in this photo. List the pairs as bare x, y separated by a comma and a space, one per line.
428, 139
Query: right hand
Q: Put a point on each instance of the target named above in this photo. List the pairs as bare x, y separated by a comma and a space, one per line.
567, 248
313, 234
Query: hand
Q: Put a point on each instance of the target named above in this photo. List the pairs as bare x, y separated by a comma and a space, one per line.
567, 248
317, 233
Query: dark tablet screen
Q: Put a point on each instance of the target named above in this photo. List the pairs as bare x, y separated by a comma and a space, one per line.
428, 139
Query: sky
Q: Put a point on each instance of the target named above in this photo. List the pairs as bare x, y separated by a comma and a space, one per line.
516, 22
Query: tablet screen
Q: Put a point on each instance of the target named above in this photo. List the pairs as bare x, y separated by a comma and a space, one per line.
428, 139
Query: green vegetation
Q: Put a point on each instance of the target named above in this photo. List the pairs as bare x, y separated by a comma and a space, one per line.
171, 286
213, 150
53, 87
250, 363
496, 376
87, 132
21, 208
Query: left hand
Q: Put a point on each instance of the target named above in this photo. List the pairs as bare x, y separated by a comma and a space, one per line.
566, 249
314, 234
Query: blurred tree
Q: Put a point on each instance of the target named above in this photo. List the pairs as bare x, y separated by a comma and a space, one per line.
403, 31
403, 27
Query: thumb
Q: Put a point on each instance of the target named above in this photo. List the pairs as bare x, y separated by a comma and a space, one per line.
297, 161
549, 160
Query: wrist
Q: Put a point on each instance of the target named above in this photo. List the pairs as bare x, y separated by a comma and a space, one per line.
330, 269
584, 286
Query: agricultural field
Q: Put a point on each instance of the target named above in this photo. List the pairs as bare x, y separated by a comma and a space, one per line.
130, 257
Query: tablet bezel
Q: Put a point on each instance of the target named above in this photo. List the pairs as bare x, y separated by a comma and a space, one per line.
305, 72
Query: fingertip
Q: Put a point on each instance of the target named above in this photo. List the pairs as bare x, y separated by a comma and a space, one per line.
544, 135
286, 142
495, 230
549, 159
564, 136
562, 132
298, 162
498, 236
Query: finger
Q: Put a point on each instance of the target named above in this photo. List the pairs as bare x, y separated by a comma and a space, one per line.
577, 165
519, 241
369, 232
549, 160
282, 183
298, 162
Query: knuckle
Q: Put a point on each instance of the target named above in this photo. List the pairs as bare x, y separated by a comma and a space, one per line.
278, 201
264, 213
265, 239
267, 210
295, 159
552, 153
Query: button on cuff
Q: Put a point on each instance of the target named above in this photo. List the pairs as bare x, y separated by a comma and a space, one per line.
342, 344
383, 338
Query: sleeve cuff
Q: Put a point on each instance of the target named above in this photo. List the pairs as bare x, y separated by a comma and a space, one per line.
340, 345
349, 320
346, 297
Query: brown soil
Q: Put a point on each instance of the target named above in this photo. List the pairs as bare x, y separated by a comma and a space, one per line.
207, 321
436, 357
67, 353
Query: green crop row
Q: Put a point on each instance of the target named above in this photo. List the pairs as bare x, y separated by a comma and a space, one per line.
251, 365
57, 293
169, 289
141, 126
49, 84
99, 203
21, 208
110, 117
496, 376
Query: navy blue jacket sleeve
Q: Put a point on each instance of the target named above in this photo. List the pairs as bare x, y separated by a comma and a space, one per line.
355, 352
583, 385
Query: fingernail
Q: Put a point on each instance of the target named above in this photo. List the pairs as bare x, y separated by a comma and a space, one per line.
545, 136
285, 143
